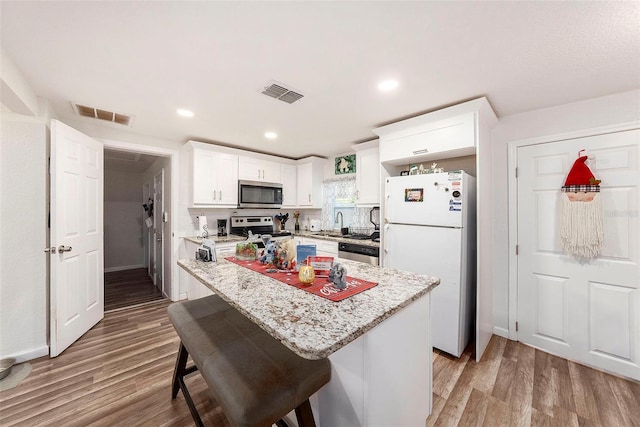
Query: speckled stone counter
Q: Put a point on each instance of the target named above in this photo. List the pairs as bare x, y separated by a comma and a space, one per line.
322, 235
311, 326
223, 239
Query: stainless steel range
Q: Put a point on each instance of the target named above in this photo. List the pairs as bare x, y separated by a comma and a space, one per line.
241, 225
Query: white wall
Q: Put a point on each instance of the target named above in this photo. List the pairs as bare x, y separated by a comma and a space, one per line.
605, 111
123, 247
23, 237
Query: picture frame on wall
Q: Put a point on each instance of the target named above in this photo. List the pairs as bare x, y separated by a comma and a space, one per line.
345, 164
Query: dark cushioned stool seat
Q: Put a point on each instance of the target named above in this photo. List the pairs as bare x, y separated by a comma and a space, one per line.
255, 378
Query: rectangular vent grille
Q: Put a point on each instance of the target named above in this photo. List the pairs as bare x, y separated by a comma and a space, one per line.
97, 113
279, 91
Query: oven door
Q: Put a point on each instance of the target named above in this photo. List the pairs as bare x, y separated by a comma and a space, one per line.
255, 194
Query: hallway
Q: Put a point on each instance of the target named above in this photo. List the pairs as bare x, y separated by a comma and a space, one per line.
129, 288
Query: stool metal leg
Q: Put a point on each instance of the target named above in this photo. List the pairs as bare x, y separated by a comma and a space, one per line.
178, 383
304, 415
178, 371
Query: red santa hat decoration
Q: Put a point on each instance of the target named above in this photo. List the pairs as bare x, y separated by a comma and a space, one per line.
581, 226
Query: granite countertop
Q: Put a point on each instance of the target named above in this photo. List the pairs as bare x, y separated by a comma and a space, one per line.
223, 239
322, 235
311, 326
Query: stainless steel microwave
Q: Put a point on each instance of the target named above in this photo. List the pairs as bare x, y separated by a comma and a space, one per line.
256, 194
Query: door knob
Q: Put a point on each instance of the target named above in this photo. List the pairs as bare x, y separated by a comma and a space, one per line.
51, 250
159, 239
63, 248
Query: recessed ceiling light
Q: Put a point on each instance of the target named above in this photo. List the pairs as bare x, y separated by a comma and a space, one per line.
270, 135
388, 85
184, 113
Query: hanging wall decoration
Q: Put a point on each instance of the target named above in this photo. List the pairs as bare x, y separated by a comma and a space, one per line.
581, 225
345, 164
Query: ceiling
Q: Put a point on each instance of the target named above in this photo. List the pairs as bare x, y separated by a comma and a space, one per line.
147, 59
125, 161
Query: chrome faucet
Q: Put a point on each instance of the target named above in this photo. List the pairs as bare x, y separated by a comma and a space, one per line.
339, 214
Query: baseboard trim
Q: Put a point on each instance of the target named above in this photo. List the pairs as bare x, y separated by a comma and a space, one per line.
501, 332
29, 355
124, 267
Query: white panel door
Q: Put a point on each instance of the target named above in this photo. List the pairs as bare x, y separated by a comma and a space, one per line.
158, 228
584, 310
77, 266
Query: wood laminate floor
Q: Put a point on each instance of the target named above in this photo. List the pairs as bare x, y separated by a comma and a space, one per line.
119, 374
129, 288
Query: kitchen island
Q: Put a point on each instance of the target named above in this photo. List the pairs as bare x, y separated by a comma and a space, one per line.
378, 341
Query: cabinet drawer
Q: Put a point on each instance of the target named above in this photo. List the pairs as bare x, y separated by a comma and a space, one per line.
453, 137
323, 247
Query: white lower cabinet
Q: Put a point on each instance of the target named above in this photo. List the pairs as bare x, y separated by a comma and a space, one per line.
323, 247
194, 288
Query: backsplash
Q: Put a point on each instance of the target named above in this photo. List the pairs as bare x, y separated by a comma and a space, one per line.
339, 195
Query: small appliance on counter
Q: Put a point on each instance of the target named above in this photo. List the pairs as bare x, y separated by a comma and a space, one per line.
315, 225
222, 227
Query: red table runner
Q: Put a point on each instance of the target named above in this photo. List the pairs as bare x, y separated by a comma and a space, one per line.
320, 286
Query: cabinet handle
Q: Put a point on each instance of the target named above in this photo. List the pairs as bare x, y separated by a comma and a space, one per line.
424, 150
262, 173
309, 197
358, 194
258, 173
214, 194
220, 195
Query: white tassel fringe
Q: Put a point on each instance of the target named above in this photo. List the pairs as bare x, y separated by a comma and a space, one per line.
581, 227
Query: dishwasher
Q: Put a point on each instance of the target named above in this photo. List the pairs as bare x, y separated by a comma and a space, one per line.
358, 252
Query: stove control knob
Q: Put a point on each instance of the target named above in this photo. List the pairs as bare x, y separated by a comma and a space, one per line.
456, 194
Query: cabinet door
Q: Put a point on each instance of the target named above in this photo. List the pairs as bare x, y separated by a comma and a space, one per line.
258, 170
368, 178
289, 187
249, 169
305, 184
323, 247
227, 180
453, 137
204, 177
271, 172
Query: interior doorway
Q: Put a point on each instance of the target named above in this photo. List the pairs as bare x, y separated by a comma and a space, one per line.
133, 264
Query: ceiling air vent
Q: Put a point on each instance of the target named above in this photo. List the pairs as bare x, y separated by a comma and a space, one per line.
279, 91
97, 113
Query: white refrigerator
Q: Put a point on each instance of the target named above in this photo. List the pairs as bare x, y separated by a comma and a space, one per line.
430, 228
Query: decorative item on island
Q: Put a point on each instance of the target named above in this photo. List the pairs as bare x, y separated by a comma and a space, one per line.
306, 275
246, 251
338, 276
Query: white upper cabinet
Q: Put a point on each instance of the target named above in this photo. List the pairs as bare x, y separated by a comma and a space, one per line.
214, 177
289, 187
252, 169
309, 182
446, 133
367, 174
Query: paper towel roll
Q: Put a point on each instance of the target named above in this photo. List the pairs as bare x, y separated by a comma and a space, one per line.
203, 228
